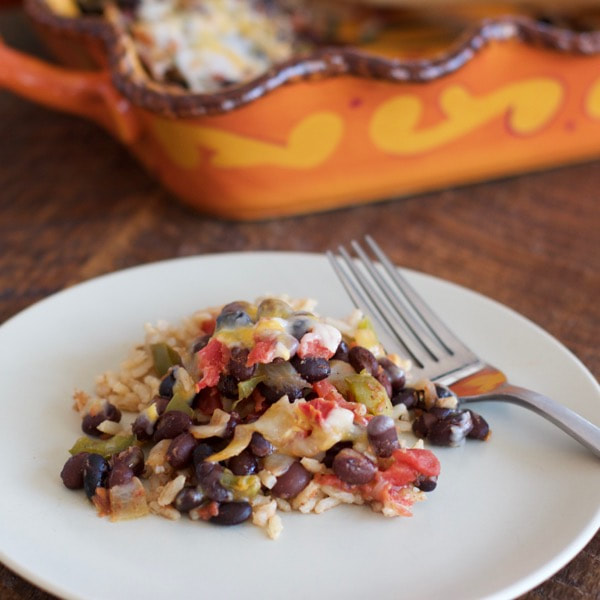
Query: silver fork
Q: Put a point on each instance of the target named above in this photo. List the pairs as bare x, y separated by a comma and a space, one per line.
408, 324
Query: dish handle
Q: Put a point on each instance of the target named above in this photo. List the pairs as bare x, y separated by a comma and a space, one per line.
89, 94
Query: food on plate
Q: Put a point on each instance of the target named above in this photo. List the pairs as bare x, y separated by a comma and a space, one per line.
251, 409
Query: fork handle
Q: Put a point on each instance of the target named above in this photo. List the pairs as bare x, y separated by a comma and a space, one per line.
569, 421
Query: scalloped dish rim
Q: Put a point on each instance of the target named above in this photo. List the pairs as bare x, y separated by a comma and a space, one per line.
130, 78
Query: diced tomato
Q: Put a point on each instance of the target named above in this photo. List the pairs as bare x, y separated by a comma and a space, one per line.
262, 352
208, 326
422, 461
313, 348
409, 464
209, 510
325, 389
317, 410
320, 342
212, 360
380, 489
331, 480
400, 474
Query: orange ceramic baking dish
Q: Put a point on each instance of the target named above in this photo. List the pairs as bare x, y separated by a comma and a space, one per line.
340, 127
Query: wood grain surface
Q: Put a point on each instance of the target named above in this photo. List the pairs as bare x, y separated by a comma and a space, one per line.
74, 205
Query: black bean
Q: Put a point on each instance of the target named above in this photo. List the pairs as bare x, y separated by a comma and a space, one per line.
206, 469
281, 379
235, 306
332, 453
133, 457
232, 513
227, 386
273, 307
208, 475
421, 402
108, 412
481, 429
200, 343
95, 471
310, 368
232, 320
441, 413
180, 450
382, 435
353, 467
234, 420
72, 472
452, 430
384, 380
259, 446
422, 424
341, 352
218, 443
275, 391
189, 497
426, 484
292, 482
201, 452
443, 391
120, 474
165, 389
361, 358
407, 396
301, 325
143, 428
171, 424
237, 364
243, 463
160, 404
395, 373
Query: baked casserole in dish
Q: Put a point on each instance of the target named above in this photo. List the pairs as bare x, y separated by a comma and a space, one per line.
258, 109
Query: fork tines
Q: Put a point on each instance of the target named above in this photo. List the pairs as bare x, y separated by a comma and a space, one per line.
404, 318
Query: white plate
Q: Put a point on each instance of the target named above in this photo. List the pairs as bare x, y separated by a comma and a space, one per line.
506, 515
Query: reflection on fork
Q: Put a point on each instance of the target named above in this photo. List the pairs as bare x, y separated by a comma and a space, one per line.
410, 327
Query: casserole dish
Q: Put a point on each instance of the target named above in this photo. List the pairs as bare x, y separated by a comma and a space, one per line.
341, 125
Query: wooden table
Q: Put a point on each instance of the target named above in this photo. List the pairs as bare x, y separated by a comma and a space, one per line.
74, 205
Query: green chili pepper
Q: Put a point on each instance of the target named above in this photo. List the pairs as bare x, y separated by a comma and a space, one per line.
182, 403
105, 448
245, 388
364, 388
164, 357
242, 487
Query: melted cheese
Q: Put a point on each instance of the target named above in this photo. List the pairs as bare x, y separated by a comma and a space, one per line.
213, 43
246, 335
